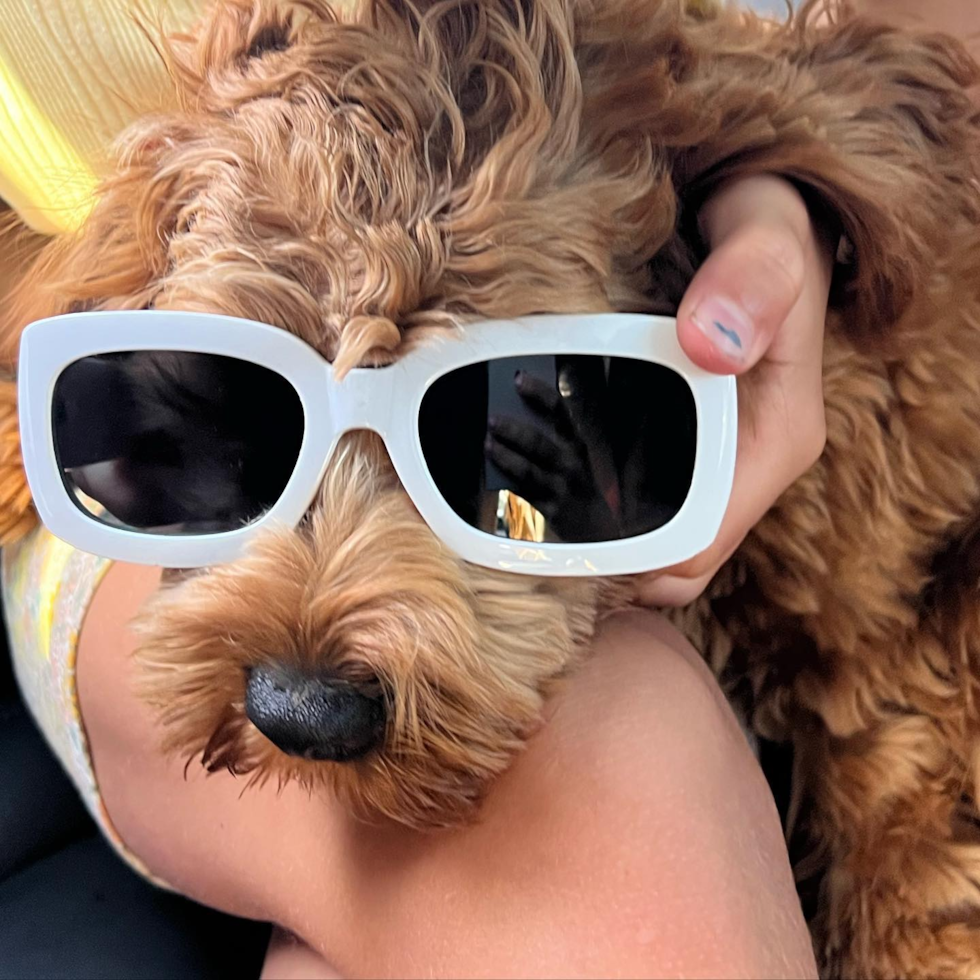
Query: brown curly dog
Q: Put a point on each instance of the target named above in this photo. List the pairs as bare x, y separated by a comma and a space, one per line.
366, 183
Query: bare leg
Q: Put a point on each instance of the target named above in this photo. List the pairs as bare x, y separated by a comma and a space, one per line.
635, 837
290, 958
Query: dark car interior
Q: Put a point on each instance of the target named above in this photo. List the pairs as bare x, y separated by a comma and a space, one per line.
69, 907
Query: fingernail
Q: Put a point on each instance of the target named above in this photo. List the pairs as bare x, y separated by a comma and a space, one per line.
519, 379
492, 422
726, 326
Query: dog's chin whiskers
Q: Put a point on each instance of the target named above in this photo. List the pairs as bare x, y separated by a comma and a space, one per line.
223, 749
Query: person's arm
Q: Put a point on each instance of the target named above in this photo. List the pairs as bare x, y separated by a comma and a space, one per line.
872, 124
756, 308
823, 126
960, 18
634, 837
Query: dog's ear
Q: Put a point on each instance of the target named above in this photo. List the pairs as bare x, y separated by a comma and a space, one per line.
115, 258
17, 515
114, 261
19, 305
874, 124
19, 248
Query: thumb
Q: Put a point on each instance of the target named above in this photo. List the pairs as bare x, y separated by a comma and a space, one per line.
757, 230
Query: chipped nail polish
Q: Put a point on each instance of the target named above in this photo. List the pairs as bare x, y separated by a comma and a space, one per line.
726, 326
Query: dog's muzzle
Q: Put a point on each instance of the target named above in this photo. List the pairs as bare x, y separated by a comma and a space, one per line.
321, 718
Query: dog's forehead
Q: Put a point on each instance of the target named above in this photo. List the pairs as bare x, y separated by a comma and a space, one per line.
334, 181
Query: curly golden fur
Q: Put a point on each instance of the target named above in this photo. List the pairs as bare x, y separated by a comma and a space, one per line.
365, 183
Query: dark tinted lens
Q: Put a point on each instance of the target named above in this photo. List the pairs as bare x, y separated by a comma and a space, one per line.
175, 443
561, 449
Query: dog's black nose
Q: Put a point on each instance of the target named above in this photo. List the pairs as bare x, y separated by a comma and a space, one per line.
313, 717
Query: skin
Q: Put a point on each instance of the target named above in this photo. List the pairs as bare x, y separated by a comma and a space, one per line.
767, 280
769, 273
961, 18
634, 837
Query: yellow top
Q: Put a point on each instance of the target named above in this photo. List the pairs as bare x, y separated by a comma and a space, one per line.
73, 74
47, 588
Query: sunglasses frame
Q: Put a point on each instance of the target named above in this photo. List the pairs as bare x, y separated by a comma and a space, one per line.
386, 401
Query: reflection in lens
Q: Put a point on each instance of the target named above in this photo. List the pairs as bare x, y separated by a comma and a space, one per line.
172, 442
575, 448
517, 519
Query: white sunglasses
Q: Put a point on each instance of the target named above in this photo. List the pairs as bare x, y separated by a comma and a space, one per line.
547, 445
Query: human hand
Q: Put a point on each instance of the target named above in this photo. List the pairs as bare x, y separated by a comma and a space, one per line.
756, 308
553, 464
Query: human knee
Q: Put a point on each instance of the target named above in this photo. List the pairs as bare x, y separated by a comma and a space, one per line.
643, 790
620, 840
646, 696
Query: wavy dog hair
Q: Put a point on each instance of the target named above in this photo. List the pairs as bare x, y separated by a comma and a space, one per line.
369, 180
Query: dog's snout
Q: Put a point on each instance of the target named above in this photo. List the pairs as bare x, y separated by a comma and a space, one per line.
313, 717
